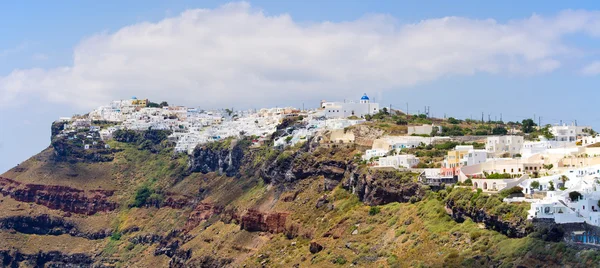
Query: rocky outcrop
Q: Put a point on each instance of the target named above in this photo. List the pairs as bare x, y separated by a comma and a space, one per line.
62, 198
48, 225
382, 187
73, 151
256, 221
513, 229
315, 247
14, 258
309, 161
202, 212
222, 157
365, 135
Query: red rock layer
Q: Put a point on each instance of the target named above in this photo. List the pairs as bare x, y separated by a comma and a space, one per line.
62, 198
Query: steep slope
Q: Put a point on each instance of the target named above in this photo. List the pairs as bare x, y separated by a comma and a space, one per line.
234, 204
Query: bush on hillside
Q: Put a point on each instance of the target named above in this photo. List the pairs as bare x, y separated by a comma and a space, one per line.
575, 196
498, 176
511, 191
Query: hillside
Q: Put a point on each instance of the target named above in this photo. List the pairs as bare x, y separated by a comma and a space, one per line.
235, 204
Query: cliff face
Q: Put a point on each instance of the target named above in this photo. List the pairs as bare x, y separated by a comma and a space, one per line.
256, 221
510, 220
62, 198
15, 258
383, 187
219, 157
515, 229
237, 205
48, 225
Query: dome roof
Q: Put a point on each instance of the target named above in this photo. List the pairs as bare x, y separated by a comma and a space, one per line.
364, 97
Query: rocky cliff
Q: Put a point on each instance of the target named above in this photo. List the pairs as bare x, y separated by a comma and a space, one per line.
62, 198
48, 225
235, 204
506, 219
221, 157
384, 186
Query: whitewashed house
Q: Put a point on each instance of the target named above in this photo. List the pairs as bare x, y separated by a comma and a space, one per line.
499, 145
399, 161
351, 108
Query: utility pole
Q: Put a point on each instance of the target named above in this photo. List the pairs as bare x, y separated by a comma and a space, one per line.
407, 109
482, 117
540, 122
501, 117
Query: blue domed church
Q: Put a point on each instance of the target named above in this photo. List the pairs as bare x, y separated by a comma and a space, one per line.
350, 108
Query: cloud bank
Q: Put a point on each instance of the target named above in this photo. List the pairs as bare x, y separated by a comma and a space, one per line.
237, 54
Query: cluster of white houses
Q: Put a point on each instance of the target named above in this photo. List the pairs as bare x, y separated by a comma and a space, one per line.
559, 166
192, 126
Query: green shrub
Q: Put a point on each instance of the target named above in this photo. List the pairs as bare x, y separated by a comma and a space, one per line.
514, 190
115, 236
575, 195
499, 176
374, 211
141, 196
339, 260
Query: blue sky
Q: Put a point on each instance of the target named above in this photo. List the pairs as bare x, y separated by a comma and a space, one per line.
544, 74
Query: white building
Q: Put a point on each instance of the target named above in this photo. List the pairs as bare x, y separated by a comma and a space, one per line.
544, 146
474, 157
558, 205
498, 145
564, 133
399, 161
351, 108
589, 140
374, 153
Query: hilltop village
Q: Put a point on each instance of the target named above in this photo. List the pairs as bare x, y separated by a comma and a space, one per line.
555, 168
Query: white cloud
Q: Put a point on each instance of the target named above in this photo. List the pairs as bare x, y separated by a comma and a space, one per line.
591, 69
236, 54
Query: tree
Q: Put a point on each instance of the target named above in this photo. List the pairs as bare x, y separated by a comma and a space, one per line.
575, 195
164, 104
564, 179
527, 125
453, 120
551, 188
535, 185
152, 105
499, 131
